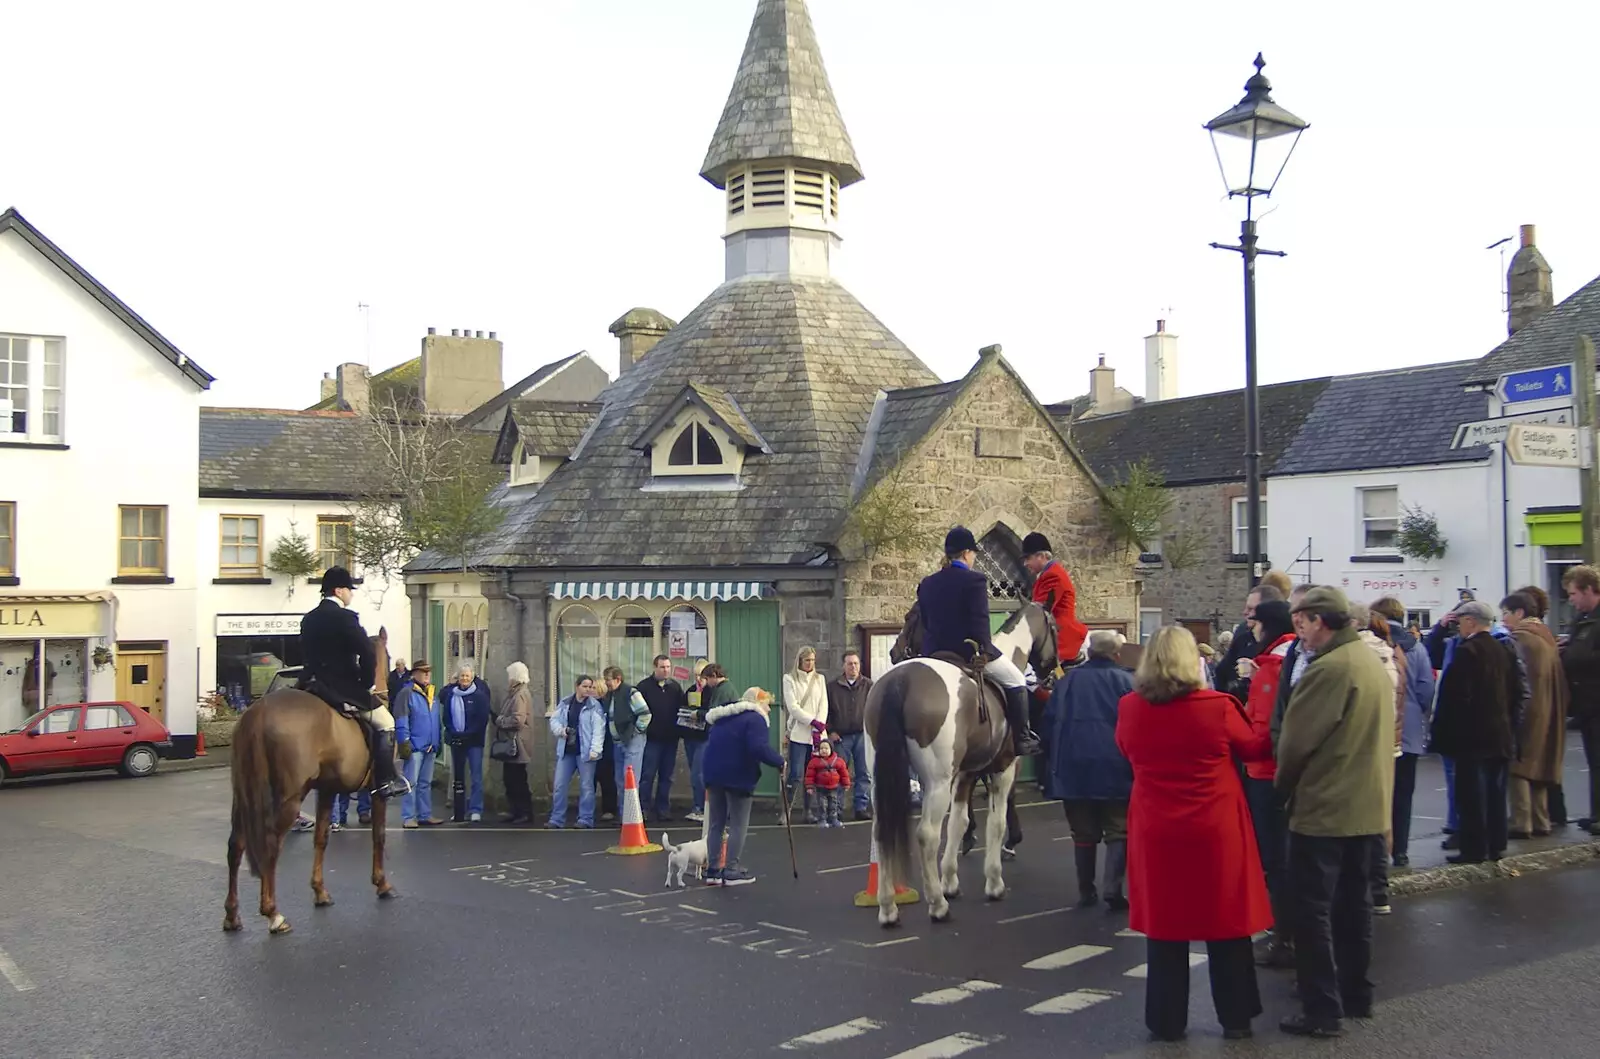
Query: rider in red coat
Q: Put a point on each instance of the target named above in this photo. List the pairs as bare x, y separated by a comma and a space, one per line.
1052, 589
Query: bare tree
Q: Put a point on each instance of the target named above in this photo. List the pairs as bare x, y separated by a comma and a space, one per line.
422, 483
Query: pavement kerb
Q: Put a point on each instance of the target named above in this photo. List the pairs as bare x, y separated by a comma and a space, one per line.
1454, 876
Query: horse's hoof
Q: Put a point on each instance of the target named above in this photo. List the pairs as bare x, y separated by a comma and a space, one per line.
231, 925
994, 893
280, 927
940, 915
387, 895
323, 902
889, 922
953, 894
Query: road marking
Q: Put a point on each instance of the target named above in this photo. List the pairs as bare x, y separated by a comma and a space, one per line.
780, 926
1143, 970
955, 994
1068, 1003
847, 867
14, 974
1129, 932
948, 1047
886, 944
833, 1034
1035, 915
1436, 819
696, 908
1066, 957
658, 893
593, 853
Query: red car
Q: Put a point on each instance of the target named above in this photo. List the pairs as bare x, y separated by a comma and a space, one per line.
84, 736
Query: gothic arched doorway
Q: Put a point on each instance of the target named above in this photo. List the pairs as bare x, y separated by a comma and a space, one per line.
1000, 560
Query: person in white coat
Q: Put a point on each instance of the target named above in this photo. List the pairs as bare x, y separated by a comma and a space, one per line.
805, 702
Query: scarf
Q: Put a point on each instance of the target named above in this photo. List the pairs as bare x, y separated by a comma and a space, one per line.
458, 707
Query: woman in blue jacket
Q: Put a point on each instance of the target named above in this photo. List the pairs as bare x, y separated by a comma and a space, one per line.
464, 707
736, 748
578, 726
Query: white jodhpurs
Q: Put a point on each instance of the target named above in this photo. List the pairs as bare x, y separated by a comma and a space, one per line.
1006, 673
381, 719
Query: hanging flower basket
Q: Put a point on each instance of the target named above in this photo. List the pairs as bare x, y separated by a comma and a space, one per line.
102, 657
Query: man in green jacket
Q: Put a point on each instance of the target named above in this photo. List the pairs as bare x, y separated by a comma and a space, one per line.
1336, 769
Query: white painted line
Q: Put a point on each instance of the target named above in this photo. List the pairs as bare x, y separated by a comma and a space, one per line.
948, 1047
1068, 1003
886, 944
1129, 932
593, 853
1436, 819
570, 879
955, 994
1063, 838
1035, 915
832, 1035
15, 975
847, 867
780, 926
1143, 970
696, 908
1066, 957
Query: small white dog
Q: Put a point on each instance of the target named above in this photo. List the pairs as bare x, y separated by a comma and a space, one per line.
689, 857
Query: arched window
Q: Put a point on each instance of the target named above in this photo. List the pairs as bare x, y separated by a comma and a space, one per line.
443, 667
631, 642
577, 647
1000, 560
482, 653
695, 447
684, 631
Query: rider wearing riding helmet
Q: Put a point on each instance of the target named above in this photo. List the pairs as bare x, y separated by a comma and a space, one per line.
1052, 590
954, 603
339, 657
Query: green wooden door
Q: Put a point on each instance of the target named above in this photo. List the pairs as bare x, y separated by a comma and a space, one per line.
1028, 769
748, 648
436, 642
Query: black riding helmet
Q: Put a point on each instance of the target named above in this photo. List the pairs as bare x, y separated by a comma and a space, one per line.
337, 577
959, 540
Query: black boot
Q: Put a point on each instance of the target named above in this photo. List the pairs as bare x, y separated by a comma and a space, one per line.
1083, 858
386, 783
1116, 870
1024, 742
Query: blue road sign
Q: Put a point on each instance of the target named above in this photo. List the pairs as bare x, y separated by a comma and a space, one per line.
1536, 384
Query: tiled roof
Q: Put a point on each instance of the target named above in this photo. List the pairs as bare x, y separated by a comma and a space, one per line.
908, 414
273, 452
1192, 440
802, 358
719, 405
1547, 341
12, 221
1401, 418
397, 387
485, 417
781, 105
545, 428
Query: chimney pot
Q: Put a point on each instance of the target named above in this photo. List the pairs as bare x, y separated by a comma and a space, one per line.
478, 335
1102, 360
455, 332
432, 330
1529, 293
1527, 235
491, 334
1161, 325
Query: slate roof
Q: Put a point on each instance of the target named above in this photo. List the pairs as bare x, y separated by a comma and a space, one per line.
485, 417
720, 406
545, 428
1546, 341
907, 416
1401, 418
803, 359
12, 221
1191, 440
265, 452
399, 386
781, 105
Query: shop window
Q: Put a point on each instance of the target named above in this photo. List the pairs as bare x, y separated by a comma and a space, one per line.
143, 546
241, 546
631, 642
8, 538
685, 633
452, 639
333, 541
482, 652
577, 647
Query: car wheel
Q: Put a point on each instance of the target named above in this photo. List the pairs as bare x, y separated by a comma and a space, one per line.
140, 760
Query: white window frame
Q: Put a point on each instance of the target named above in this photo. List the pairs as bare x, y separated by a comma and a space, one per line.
37, 352
1144, 612
1239, 517
732, 452
240, 570
1362, 519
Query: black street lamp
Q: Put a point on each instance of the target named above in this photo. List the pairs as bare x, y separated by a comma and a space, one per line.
1253, 140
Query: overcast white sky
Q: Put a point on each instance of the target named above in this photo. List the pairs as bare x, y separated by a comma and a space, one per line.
1036, 174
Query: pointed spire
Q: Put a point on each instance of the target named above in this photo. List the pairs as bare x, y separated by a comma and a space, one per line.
781, 105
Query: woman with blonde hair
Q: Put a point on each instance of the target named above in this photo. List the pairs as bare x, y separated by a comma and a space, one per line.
805, 702
512, 719
1194, 873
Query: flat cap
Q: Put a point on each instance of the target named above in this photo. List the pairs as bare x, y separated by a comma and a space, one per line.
1477, 610
1323, 600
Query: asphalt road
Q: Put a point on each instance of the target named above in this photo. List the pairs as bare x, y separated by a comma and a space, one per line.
531, 942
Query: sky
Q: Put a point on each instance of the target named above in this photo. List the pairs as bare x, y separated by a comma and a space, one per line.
246, 175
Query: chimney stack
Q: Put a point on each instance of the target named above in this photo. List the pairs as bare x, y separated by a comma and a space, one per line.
460, 371
1160, 364
352, 387
329, 387
1528, 289
1102, 386
637, 331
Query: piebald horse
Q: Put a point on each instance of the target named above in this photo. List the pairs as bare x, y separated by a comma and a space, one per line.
287, 745
923, 715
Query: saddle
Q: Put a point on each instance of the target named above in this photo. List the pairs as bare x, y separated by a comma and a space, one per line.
973, 666
346, 705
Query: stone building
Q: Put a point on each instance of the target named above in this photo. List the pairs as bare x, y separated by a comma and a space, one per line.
710, 508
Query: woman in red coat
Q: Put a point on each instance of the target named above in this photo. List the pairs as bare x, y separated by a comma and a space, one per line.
1193, 870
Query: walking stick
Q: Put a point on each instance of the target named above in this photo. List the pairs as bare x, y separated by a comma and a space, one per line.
784, 793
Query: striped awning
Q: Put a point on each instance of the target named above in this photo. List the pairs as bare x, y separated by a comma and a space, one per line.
722, 590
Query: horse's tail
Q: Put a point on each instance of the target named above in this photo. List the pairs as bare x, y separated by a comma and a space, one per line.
891, 779
255, 798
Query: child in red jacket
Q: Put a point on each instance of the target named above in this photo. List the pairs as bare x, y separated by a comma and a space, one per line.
827, 773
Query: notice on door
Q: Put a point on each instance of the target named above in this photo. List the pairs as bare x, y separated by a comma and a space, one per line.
677, 643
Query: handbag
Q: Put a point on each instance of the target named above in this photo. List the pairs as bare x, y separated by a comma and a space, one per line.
505, 747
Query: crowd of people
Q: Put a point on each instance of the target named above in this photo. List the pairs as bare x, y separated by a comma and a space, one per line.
1267, 794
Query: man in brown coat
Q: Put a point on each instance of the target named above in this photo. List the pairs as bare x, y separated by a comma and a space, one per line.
847, 708
1541, 737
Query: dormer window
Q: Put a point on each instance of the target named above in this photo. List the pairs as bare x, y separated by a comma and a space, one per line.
526, 467
695, 447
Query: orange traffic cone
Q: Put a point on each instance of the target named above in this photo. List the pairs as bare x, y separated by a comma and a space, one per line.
868, 898
200, 744
634, 840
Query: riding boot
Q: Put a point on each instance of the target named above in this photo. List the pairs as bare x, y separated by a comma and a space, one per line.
1083, 858
386, 783
1024, 742
1116, 869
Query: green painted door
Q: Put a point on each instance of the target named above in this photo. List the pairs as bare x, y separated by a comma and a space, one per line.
436, 641
1028, 769
748, 648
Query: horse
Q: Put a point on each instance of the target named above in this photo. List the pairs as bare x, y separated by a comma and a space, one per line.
285, 746
924, 714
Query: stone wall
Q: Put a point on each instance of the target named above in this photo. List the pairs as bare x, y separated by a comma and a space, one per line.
1037, 485
810, 615
1210, 586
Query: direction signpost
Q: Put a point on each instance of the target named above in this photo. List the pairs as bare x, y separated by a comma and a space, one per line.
1535, 384
1488, 431
1532, 445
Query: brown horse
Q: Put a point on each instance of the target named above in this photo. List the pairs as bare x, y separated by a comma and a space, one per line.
287, 745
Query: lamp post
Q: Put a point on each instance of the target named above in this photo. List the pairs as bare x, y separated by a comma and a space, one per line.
1253, 140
